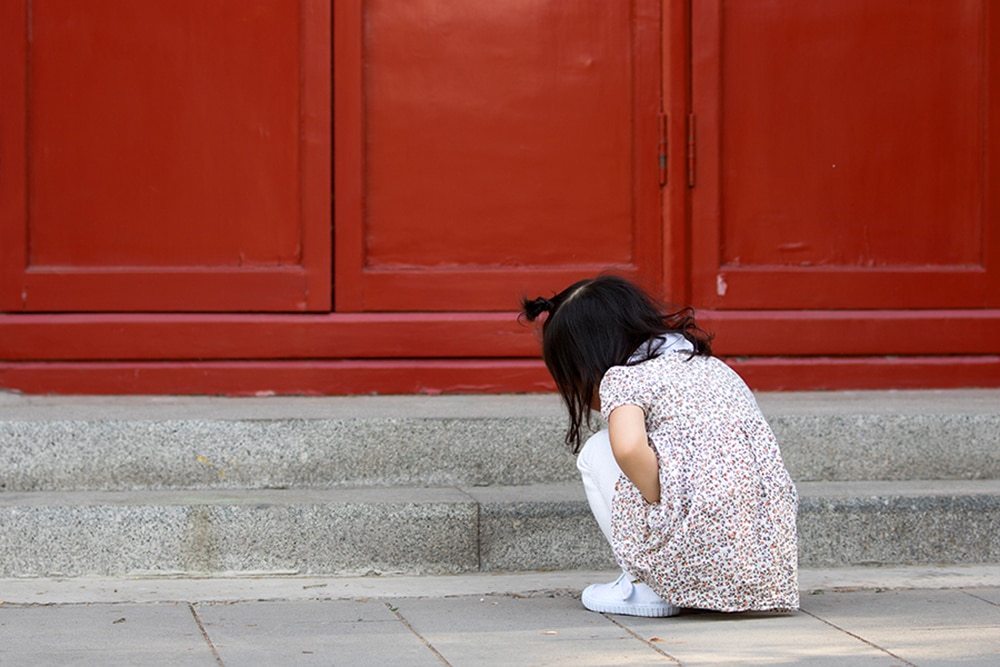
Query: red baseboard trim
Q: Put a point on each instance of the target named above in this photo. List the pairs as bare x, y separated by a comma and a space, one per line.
192, 337
305, 378
476, 376
833, 373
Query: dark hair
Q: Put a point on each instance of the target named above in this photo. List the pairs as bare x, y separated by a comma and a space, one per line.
598, 323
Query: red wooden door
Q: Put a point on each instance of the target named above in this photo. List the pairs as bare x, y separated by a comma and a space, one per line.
485, 149
165, 155
844, 158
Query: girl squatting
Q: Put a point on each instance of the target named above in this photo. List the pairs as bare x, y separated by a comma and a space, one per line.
687, 482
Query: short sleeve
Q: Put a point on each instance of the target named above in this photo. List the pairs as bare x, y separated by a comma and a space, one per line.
624, 385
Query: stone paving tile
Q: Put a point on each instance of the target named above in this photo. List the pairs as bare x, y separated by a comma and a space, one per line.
991, 595
922, 627
697, 638
505, 630
342, 632
105, 635
886, 628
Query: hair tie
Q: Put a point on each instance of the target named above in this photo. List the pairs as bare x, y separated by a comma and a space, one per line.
535, 307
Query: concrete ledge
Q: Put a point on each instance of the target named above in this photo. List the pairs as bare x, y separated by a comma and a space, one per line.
448, 484
122, 443
335, 531
278, 453
538, 527
448, 530
830, 447
881, 523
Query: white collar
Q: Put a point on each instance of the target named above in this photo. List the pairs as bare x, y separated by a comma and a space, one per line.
669, 342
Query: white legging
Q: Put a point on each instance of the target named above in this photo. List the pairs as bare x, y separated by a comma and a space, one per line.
600, 473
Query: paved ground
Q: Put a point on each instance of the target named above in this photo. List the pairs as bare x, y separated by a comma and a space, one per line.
876, 616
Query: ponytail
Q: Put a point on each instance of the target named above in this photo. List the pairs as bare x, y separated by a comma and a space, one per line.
531, 309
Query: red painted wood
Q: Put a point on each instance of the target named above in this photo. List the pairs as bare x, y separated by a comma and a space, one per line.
349, 137
417, 231
847, 332
167, 289
172, 161
843, 155
676, 85
501, 289
13, 130
467, 376
341, 336
281, 377
819, 373
471, 335
315, 147
482, 169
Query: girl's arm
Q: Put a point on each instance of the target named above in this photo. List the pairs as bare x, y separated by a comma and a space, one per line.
630, 445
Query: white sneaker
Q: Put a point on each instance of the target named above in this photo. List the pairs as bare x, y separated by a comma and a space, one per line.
628, 598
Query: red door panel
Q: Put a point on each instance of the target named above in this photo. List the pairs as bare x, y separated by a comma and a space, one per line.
174, 155
840, 157
483, 170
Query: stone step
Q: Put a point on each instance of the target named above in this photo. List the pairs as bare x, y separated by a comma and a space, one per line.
447, 530
122, 443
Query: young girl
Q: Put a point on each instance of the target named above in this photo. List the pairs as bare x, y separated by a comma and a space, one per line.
687, 482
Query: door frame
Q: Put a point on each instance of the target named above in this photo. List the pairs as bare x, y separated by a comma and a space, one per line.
357, 288
304, 286
352, 353
720, 286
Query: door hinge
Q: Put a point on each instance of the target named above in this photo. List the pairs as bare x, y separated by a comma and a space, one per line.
662, 118
691, 150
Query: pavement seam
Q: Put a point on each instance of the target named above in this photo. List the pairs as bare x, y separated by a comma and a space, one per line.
858, 637
402, 619
647, 643
204, 633
978, 597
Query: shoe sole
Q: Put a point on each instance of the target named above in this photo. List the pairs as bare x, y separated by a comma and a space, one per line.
625, 609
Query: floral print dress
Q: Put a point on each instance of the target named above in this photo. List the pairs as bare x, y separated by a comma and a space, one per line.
723, 534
